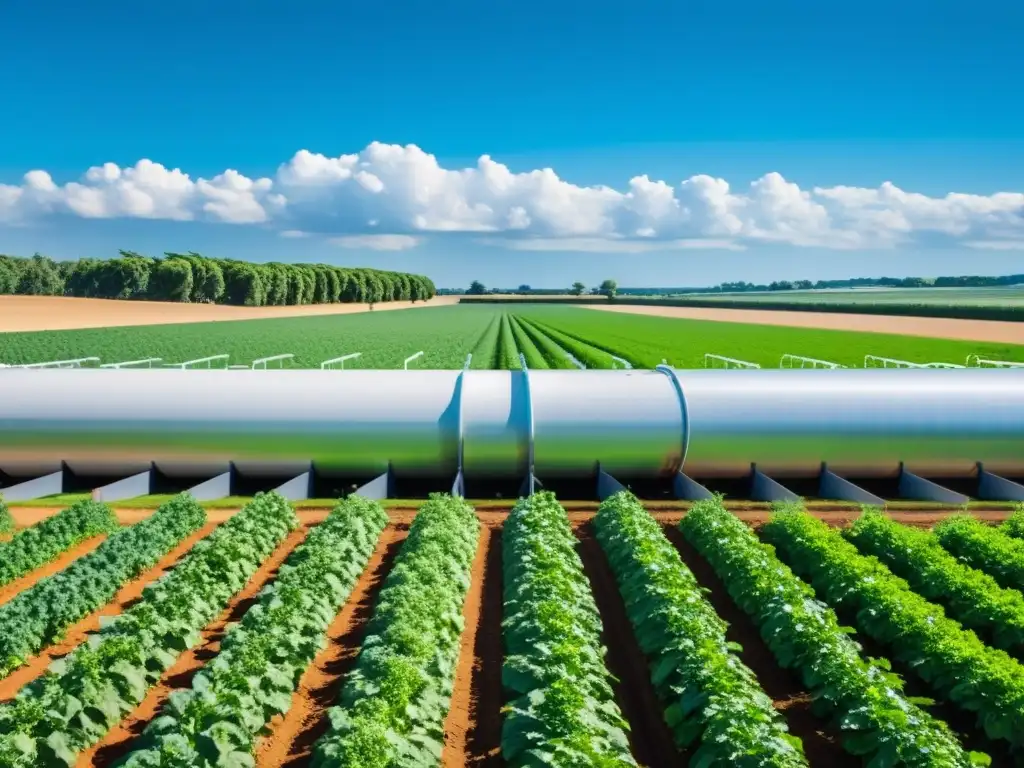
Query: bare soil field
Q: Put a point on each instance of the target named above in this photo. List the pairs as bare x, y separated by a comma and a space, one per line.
61, 313
933, 327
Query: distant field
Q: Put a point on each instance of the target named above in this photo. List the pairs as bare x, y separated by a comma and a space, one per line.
548, 335
647, 340
961, 297
445, 334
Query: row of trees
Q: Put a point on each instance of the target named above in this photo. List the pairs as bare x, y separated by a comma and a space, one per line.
607, 288
191, 277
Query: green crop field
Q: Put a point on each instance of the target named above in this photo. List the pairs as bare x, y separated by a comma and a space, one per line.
939, 297
549, 336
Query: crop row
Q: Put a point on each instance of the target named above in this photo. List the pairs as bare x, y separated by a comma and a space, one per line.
85, 694
217, 721
6, 520
711, 698
41, 614
953, 661
970, 596
44, 541
1014, 525
395, 701
863, 698
984, 548
562, 711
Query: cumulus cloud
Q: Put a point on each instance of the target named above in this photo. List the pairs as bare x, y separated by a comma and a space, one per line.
389, 197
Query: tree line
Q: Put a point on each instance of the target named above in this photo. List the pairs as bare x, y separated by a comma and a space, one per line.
476, 288
192, 277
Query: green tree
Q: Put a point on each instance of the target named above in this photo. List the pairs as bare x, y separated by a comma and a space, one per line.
608, 288
40, 277
578, 288
171, 280
476, 288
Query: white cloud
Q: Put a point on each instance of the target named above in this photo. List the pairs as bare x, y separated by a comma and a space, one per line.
390, 197
377, 242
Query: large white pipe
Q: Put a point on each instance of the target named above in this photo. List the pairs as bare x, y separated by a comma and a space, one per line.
635, 423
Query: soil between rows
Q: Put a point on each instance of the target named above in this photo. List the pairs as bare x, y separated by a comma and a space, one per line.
473, 727
77, 633
122, 739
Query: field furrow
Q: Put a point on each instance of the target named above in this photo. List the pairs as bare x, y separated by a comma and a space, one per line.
124, 738
89, 692
524, 343
555, 355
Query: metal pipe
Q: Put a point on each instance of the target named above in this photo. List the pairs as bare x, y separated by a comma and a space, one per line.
863, 423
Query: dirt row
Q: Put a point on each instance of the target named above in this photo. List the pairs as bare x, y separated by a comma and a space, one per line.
473, 726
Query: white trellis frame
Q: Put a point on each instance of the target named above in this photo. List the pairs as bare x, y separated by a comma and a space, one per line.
338, 361
621, 362
147, 362
209, 361
262, 363
76, 363
799, 361
410, 358
720, 361
980, 362
874, 361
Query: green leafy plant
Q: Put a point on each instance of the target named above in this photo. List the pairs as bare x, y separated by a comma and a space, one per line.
6, 521
46, 540
1014, 524
394, 703
554, 355
711, 699
85, 694
952, 660
862, 697
217, 721
983, 547
41, 614
970, 596
562, 712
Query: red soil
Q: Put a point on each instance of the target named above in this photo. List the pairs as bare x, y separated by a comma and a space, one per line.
77, 633
121, 739
821, 742
291, 737
649, 737
58, 564
472, 730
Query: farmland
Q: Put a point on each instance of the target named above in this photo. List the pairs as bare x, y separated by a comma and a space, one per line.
453, 637
1012, 296
548, 336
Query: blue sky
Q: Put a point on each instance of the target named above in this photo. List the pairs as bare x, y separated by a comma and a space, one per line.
817, 106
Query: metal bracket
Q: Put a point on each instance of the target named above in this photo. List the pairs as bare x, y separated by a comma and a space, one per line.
531, 481
218, 487
996, 488
832, 486
670, 372
914, 487
764, 488
298, 488
607, 485
47, 485
128, 488
688, 489
381, 487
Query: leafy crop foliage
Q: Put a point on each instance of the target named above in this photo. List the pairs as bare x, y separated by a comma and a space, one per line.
862, 697
984, 548
554, 355
711, 698
646, 340
952, 660
563, 711
395, 702
508, 353
526, 345
970, 596
6, 523
1014, 524
85, 694
590, 355
41, 614
251, 680
44, 541
446, 334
